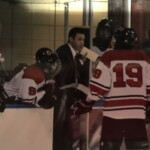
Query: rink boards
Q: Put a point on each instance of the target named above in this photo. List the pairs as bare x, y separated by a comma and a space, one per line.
26, 128
29, 128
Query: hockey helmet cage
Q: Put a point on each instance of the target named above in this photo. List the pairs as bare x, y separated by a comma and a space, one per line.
124, 38
48, 59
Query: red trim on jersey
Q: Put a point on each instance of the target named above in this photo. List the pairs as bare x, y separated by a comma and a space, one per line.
127, 102
124, 55
35, 73
98, 90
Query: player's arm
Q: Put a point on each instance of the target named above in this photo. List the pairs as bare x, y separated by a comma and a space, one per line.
81, 105
99, 85
50, 97
30, 94
100, 82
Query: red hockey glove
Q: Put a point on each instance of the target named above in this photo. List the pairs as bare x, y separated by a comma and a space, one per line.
81, 107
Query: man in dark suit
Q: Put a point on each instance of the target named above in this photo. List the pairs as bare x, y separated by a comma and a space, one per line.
74, 71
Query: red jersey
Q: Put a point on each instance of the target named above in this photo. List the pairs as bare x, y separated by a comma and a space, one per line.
122, 77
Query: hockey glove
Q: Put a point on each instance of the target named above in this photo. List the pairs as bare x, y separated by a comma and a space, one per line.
81, 107
47, 101
49, 98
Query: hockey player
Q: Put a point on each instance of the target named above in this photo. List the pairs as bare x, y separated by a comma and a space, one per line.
34, 84
101, 44
122, 78
103, 35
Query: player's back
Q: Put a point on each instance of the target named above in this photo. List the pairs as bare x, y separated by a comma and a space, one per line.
128, 76
32, 76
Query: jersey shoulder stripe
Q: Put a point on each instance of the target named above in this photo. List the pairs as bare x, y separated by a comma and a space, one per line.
124, 55
34, 73
99, 85
125, 102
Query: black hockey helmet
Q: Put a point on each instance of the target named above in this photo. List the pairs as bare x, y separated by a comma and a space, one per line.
103, 25
48, 60
104, 33
124, 38
45, 55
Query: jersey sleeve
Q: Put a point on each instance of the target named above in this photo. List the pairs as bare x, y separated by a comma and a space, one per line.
100, 82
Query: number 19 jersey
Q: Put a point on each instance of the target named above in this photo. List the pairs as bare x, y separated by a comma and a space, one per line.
122, 77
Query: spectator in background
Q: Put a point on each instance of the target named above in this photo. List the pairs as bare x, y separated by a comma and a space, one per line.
103, 35
101, 43
75, 71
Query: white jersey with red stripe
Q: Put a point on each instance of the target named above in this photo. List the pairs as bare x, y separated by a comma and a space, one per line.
24, 85
122, 77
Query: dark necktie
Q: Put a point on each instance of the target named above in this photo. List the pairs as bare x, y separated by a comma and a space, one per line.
77, 63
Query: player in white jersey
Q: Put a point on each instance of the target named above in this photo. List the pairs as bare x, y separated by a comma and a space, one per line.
122, 77
34, 84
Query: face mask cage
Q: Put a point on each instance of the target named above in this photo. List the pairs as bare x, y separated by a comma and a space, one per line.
53, 67
49, 62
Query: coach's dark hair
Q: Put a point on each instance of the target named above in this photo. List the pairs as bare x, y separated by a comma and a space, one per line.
74, 31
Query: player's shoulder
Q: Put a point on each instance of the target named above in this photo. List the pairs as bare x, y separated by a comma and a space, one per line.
124, 55
33, 72
141, 55
108, 52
